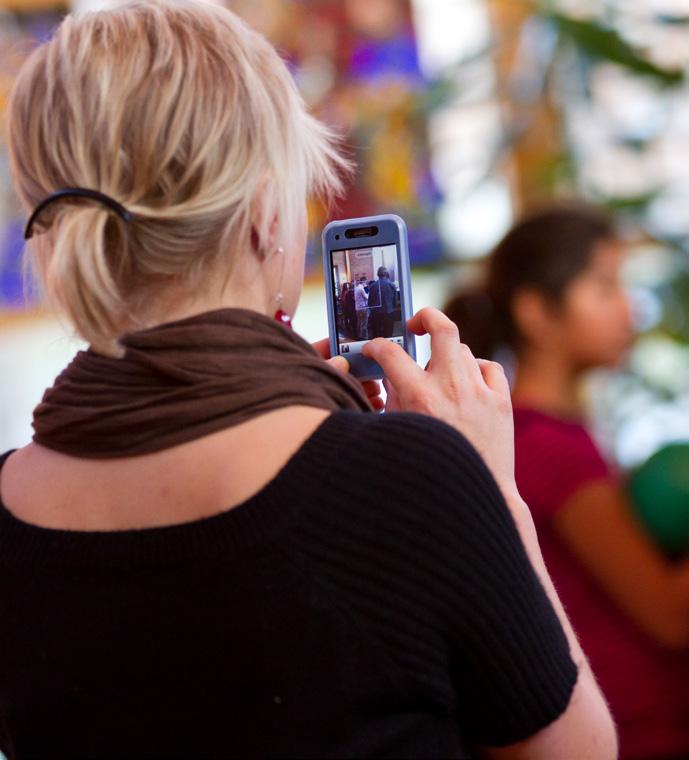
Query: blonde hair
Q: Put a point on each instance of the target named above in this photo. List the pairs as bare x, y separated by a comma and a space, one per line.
187, 117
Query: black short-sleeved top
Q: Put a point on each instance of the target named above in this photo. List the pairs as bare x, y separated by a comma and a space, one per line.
373, 600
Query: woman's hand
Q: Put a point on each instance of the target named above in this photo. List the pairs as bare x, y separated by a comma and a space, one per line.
371, 387
470, 394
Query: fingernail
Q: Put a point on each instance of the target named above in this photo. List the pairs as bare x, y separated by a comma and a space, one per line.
339, 362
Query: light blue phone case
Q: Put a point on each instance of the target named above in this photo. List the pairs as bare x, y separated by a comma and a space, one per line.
391, 231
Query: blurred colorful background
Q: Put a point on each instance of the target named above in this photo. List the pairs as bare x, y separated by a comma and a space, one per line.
460, 114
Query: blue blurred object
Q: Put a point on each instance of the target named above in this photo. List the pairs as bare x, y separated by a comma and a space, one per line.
393, 58
11, 280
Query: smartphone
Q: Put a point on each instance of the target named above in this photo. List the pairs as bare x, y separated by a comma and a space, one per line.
368, 288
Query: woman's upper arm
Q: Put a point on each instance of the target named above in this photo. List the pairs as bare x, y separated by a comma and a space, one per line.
583, 731
535, 709
542, 700
512, 663
597, 526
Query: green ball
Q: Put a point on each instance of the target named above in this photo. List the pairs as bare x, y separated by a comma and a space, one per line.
659, 490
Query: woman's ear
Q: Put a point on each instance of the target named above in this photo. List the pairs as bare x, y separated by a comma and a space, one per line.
536, 318
264, 222
264, 244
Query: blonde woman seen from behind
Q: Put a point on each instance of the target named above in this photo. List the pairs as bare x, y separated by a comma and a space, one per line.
188, 567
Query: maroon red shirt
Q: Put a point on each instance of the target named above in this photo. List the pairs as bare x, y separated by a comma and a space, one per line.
647, 687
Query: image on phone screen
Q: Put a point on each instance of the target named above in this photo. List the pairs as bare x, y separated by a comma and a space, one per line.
367, 296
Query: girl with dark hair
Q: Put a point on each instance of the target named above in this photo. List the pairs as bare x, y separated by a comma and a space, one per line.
553, 295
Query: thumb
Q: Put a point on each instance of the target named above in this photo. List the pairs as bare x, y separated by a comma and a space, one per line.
339, 363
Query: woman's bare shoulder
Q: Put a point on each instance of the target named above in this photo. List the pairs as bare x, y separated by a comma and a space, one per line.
190, 481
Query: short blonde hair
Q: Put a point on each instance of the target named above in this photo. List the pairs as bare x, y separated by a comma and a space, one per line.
187, 117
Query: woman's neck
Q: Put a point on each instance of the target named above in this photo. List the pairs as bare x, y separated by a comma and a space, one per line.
545, 381
177, 304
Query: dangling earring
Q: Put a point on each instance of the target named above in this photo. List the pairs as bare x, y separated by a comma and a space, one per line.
281, 316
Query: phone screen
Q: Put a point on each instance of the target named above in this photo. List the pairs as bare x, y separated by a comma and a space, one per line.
367, 296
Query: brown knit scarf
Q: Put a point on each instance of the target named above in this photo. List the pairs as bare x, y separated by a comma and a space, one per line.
182, 380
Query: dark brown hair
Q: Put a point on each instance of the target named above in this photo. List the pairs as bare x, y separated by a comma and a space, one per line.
545, 251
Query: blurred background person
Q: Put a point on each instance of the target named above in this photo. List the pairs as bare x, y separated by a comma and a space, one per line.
553, 295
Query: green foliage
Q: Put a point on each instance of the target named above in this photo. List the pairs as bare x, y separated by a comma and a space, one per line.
675, 296
632, 204
602, 43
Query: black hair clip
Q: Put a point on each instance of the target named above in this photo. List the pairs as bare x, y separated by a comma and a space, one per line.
79, 192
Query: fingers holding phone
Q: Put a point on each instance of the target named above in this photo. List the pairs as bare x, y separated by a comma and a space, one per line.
470, 394
371, 387
371, 324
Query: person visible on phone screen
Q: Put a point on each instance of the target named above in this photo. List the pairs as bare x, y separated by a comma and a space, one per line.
350, 311
381, 299
361, 304
190, 563
387, 302
341, 317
